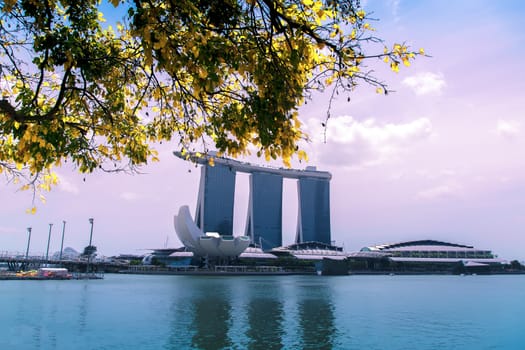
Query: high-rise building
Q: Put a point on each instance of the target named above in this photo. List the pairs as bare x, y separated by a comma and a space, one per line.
264, 219
313, 224
265, 213
215, 202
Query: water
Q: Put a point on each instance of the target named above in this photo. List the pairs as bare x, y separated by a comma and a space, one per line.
282, 312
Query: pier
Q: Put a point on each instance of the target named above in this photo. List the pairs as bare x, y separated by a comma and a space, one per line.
218, 270
16, 262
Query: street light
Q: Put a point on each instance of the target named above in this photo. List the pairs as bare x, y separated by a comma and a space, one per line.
62, 244
48, 239
91, 234
28, 241
90, 240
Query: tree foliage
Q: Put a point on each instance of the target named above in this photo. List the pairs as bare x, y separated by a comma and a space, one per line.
223, 74
89, 251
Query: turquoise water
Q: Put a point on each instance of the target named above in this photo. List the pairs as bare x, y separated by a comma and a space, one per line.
292, 312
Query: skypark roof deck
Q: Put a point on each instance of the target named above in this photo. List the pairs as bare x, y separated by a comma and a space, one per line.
245, 167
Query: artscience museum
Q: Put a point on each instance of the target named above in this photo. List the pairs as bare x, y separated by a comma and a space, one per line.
210, 244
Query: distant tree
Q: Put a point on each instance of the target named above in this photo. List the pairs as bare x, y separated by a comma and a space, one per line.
157, 262
89, 251
214, 73
516, 265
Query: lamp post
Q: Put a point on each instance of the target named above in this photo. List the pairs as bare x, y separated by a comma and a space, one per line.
62, 244
28, 241
91, 233
48, 239
89, 246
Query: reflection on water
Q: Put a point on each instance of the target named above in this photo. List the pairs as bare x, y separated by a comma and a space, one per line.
211, 319
265, 321
250, 314
83, 307
316, 319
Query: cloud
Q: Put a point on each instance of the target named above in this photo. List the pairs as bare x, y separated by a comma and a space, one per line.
394, 6
426, 83
5, 230
441, 191
508, 128
65, 185
129, 196
354, 143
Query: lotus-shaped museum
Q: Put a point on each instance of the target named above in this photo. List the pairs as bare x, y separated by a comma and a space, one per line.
209, 243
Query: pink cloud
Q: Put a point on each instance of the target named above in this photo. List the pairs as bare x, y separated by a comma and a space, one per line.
426, 83
354, 143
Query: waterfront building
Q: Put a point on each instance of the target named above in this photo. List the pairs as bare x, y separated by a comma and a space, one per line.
215, 200
168, 257
425, 256
310, 251
209, 244
264, 217
314, 210
264, 220
432, 249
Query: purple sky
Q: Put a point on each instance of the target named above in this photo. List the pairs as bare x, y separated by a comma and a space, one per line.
441, 158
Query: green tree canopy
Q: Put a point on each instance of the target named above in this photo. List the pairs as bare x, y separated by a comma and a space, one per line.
222, 74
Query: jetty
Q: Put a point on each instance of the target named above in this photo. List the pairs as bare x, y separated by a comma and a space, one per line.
16, 263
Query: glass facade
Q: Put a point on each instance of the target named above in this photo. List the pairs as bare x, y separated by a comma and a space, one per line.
314, 210
216, 197
264, 223
215, 204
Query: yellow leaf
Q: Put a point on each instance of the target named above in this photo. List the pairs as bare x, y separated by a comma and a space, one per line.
397, 48
422, 51
31, 211
302, 155
202, 73
379, 90
394, 66
101, 17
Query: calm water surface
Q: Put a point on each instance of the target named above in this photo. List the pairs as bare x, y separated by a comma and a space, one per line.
293, 312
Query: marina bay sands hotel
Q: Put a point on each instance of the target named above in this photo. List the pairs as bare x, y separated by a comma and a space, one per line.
215, 204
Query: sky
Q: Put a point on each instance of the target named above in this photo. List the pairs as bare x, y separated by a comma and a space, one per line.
440, 158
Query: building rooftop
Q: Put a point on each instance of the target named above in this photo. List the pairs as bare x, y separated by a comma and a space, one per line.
310, 251
429, 251
412, 245
245, 167
449, 260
